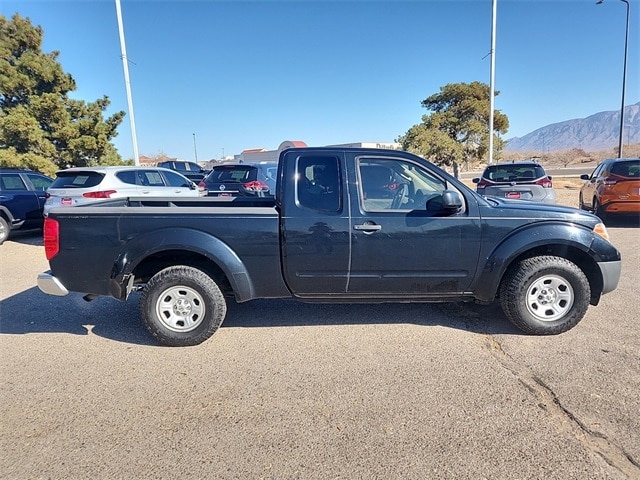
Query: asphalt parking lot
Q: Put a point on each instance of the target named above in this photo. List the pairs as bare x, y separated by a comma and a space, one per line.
289, 390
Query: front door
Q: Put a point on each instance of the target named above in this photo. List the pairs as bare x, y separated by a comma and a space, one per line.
403, 244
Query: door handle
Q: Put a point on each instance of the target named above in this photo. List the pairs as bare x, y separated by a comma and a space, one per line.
368, 227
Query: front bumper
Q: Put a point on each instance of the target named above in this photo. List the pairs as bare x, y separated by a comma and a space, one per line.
610, 275
50, 285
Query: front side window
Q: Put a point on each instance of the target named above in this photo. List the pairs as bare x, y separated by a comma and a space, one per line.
318, 183
175, 180
390, 184
40, 182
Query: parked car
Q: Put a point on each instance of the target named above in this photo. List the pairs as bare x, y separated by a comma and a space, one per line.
241, 179
191, 170
517, 180
82, 185
612, 188
22, 197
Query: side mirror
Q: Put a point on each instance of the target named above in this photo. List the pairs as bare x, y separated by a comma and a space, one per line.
449, 201
584, 176
476, 180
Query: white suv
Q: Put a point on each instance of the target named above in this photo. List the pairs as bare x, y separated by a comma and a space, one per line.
83, 185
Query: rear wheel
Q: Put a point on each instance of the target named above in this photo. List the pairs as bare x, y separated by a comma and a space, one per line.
182, 306
4, 230
598, 210
581, 204
545, 295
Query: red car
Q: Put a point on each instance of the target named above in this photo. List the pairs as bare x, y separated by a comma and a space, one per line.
612, 188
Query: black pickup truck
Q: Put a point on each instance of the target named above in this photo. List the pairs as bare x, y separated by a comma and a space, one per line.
345, 225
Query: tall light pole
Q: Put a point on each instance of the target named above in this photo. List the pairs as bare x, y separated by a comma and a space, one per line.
127, 84
492, 77
195, 151
624, 76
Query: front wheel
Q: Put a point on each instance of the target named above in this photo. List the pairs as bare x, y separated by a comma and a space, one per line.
182, 306
545, 295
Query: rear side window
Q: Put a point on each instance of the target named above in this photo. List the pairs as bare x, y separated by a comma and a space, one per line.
151, 178
128, 176
12, 181
77, 179
318, 183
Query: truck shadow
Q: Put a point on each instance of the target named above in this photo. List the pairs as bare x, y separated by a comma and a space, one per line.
482, 319
32, 311
623, 221
27, 237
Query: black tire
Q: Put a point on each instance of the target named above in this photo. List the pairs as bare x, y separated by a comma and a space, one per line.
581, 204
545, 295
4, 230
598, 210
182, 306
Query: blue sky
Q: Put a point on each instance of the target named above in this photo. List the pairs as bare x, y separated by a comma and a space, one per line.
248, 74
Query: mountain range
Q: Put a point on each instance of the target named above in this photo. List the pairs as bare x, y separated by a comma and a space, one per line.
599, 131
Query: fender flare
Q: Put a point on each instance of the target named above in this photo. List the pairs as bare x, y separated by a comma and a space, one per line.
572, 237
185, 239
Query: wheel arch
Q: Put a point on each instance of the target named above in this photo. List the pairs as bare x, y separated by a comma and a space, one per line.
148, 254
572, 242
6, 214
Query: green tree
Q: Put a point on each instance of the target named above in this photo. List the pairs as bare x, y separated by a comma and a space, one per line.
457, 131
40, 126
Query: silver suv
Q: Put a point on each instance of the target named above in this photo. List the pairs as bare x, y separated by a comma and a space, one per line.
517, 180
82, 185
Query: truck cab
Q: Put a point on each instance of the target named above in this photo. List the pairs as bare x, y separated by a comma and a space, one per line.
365, 225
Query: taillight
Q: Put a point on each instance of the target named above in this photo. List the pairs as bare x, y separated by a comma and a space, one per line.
102, 194
483, 184
202, 185
51, 237
545, 182
256, 186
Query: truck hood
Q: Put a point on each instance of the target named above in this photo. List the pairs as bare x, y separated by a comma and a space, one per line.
506, 207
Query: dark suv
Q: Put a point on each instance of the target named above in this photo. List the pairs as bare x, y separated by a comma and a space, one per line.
241, 180
22, 196
525, 180
191, 170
